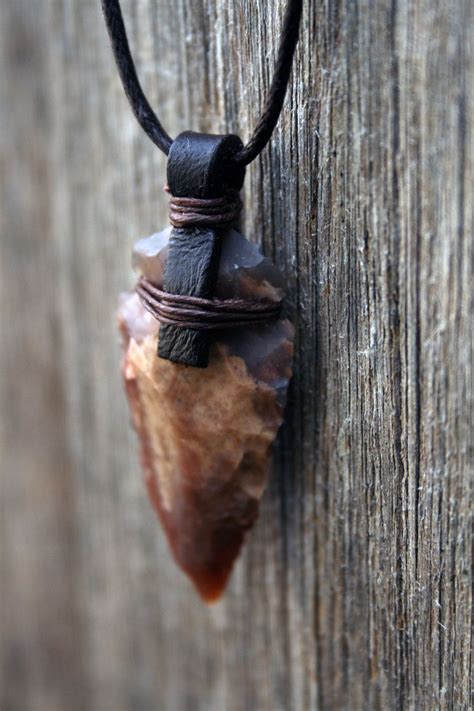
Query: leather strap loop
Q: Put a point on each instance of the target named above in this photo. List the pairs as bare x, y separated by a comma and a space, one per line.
202, 168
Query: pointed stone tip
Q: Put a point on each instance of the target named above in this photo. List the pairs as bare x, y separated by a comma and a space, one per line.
204, 552
211, 589
210, 579
205, 434
208, 572
211, 582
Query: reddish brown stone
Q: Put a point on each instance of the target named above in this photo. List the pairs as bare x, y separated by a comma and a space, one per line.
205, 434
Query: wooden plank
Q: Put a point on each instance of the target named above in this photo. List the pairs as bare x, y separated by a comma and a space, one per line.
354, 589
40, 631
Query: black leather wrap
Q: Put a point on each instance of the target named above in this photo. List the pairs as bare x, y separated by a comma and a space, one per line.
199, 166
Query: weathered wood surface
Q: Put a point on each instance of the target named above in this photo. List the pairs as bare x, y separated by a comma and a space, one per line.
353, 591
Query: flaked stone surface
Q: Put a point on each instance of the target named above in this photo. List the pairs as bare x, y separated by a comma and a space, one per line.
206, 434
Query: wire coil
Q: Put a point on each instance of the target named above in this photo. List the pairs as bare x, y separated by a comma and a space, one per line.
203, 314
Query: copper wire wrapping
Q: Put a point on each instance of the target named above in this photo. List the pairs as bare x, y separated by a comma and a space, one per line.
200, 212
203, 314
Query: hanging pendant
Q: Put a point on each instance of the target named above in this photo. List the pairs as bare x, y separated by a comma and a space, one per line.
206, 386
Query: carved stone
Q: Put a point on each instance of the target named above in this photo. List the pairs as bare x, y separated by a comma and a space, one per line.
206, 434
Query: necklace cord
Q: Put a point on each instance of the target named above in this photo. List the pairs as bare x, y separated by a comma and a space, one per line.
147, 118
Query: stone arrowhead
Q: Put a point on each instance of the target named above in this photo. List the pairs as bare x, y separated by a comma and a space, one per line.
206, 434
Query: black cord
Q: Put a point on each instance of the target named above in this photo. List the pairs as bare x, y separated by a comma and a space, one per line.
144, 114
281, 76
147, 118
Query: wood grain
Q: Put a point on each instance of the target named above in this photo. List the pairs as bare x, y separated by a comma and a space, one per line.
354, 589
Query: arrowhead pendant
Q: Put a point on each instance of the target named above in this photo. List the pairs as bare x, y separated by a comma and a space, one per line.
206, 432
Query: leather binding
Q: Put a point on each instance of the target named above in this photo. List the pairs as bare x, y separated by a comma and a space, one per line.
199, 166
